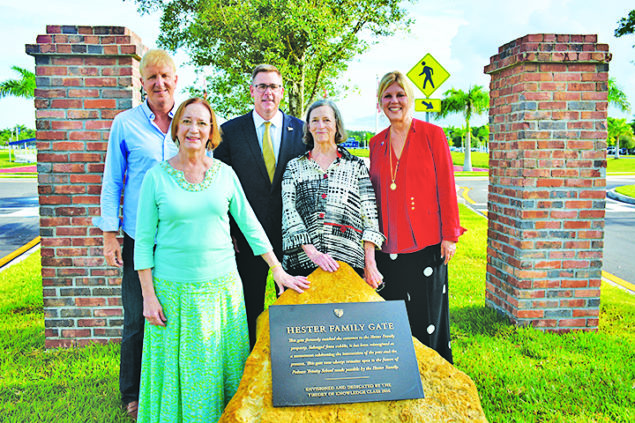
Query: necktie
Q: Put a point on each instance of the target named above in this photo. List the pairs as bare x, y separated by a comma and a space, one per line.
267, 152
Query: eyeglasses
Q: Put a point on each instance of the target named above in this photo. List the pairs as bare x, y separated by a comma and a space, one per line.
188, 123
261, 88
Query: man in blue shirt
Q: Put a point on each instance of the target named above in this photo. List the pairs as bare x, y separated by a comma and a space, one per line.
139, 138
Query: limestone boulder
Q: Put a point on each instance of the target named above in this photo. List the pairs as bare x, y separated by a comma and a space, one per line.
450, 395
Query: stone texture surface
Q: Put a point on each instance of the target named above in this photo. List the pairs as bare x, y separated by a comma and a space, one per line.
450, 395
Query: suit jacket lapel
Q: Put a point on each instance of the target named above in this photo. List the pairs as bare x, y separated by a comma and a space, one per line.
285, 153
251, 139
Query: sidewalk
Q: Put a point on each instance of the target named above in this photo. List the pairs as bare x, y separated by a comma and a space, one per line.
20, 169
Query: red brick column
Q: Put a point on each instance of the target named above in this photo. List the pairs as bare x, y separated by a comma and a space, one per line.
85, 75
547, 180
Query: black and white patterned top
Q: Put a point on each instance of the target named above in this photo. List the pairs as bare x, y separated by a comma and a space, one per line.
334, 210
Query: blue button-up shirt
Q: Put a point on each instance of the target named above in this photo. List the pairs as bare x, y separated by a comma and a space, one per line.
135, 145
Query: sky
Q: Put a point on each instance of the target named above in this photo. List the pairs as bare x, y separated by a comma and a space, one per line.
461, 35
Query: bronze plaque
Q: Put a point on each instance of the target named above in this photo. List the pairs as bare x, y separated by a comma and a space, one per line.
342, 353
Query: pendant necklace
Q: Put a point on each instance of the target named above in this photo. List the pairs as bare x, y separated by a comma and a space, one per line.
393, 173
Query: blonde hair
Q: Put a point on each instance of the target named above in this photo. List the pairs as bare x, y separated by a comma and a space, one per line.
398, 77
214, 136
156, 57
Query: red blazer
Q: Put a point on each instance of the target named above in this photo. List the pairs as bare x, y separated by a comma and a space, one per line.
425, 187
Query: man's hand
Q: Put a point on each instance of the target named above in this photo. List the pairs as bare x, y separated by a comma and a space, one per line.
112, 249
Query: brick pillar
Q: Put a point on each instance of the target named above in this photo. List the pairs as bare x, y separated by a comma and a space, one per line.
547, 180
85, 75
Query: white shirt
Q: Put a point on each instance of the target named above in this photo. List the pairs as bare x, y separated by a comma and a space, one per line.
275, 130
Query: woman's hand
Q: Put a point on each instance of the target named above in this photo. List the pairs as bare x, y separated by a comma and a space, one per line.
371, 273
283, 279
322, 260
448, 249
153, 311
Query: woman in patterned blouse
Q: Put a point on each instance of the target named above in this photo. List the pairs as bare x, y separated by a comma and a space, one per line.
328, 203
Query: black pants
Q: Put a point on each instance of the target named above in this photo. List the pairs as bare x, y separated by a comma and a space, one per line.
253, 273
133, 322
421, 280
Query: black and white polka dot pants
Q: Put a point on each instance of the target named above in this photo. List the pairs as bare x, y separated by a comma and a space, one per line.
421, 280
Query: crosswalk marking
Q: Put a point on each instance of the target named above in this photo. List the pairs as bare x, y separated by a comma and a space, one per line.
20, 212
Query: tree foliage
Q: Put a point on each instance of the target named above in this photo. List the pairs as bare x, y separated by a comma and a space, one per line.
620, 134
617, 97
474, 101
18, 132
626, 25
310, 41
23, 87
361, 136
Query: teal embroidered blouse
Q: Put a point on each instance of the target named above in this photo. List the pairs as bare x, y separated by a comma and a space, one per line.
191, 225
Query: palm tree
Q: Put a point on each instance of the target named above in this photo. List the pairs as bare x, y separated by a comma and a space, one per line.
23, 87
617, 97
458, 101
617, 129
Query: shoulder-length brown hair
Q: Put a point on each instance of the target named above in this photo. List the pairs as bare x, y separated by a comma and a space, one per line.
214, 135
340, 133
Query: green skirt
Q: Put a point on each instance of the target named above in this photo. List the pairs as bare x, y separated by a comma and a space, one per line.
191, 368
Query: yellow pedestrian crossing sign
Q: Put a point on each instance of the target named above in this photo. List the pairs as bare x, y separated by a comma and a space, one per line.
427, 105
428, 75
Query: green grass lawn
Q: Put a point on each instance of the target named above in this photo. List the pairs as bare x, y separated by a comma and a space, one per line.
5, 163
626, 190
480, 160
522, 375
624, 165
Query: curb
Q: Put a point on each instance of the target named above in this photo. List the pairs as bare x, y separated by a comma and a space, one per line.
614, 195
26, 247
615, 280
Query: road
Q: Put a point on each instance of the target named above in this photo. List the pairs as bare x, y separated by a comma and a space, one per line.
619, 230
19, 213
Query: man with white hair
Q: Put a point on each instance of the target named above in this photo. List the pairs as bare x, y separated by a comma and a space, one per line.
139, 138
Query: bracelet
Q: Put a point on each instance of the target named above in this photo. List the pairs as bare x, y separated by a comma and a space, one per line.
274, 266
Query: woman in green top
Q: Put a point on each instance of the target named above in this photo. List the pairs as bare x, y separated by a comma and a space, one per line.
196, 342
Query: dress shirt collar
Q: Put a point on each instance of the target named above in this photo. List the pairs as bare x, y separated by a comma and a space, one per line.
150, 114
276, 121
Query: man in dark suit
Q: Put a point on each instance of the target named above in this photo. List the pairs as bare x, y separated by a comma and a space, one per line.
258, 146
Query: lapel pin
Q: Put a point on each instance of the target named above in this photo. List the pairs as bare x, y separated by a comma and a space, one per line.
290, 128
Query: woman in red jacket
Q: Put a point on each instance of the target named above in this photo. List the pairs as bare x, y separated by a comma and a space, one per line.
412, 173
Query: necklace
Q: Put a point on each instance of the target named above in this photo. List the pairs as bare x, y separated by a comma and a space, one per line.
393, 173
